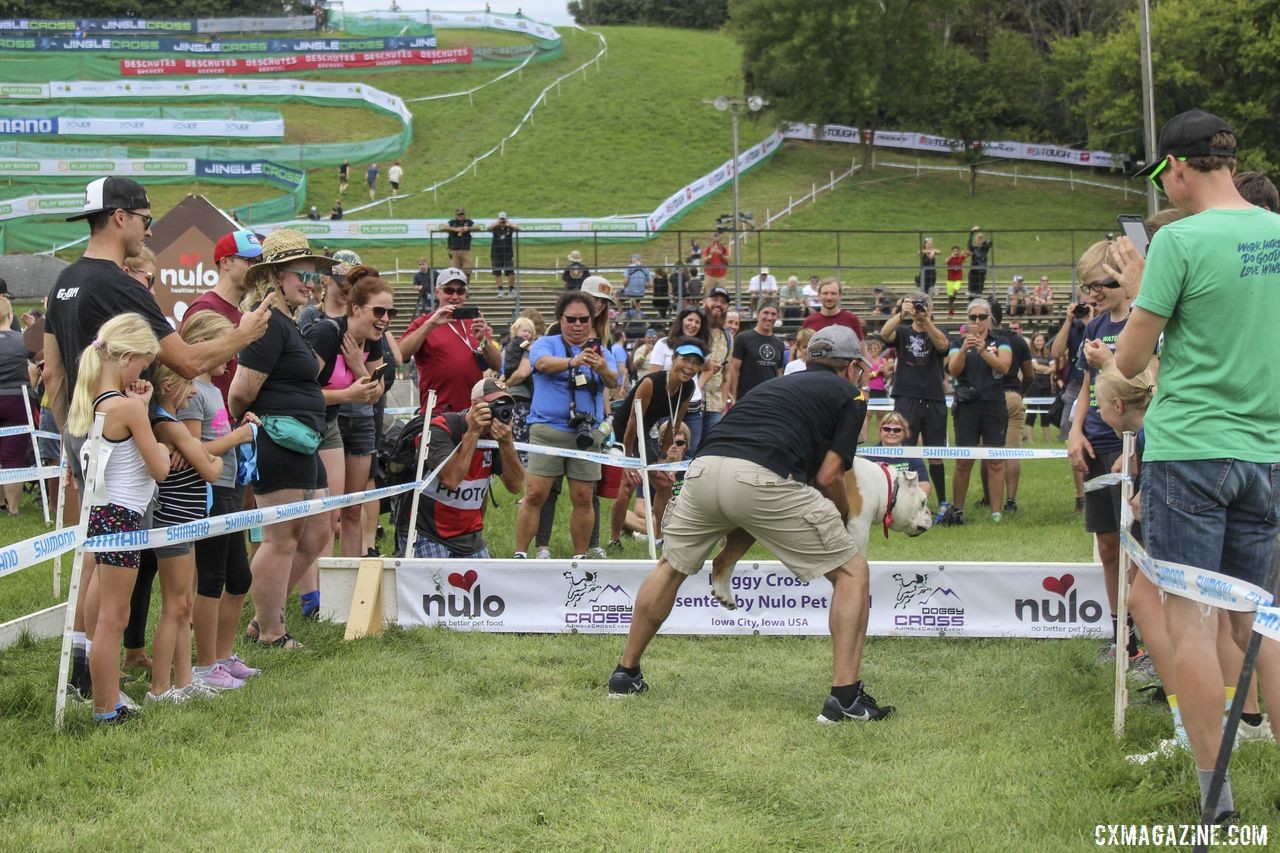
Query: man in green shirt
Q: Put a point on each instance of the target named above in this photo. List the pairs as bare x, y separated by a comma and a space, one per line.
1211, 468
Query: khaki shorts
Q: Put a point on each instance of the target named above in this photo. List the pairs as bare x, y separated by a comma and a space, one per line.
461, 259
1017, 418
793, 520
542, 465
332, 438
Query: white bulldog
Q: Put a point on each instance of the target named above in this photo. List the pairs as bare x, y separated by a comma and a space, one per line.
878, 497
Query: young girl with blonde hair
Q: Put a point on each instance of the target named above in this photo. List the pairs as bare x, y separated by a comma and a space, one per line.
129, 463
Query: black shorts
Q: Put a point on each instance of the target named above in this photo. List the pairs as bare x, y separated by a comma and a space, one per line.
926, 419
358, 434
877, 393
503, 264
982, 422
1102, 506
279, 468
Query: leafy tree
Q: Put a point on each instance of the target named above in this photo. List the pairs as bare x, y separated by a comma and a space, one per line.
857, 62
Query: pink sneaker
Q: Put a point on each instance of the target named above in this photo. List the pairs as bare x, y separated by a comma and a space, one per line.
219, 679
239, 669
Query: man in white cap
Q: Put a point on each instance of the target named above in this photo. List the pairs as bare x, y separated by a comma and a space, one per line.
790, 496
451, 353
502, 253
761, 286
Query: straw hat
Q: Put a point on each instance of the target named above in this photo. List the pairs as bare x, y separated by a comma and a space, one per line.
282, 247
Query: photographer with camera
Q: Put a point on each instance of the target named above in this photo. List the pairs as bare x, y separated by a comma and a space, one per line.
918, 391
571, 372
451, 509
1065, 349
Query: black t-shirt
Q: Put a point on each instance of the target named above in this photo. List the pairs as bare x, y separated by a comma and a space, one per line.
662, 405
1021, 353
424, 280
761, 359
816, 410
920, 365
291, 388
325, 337
661, 285
87, 294
977, 374
512, 354
13, 360
460, 242
501, 244
574, 275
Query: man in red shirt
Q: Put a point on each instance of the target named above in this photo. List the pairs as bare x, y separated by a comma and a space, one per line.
232, 254
831, 314
715, 263
450, 355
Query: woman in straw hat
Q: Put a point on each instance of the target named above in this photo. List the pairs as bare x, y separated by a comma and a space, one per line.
277, 381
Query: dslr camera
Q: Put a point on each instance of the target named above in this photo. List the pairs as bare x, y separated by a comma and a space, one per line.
919, 305
583, 425
1081, 310
503, 410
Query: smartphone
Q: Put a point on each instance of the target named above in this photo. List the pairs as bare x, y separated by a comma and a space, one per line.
381, 373
1135, 228
466, 312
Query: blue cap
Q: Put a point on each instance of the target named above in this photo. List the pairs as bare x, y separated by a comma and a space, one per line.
241, 244
691, 349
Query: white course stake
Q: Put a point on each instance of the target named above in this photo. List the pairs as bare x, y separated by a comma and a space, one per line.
423, 444
35, 449
1122, 598
642, 444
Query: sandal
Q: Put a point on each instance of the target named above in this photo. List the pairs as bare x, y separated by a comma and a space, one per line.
253, 638
284, 641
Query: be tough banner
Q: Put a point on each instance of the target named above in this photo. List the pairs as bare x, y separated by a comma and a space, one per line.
1050, 600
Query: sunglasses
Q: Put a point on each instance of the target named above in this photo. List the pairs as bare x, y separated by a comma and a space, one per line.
311, 278
146, 220
150, 277
1155, 177
379, 312
575, 318
892, 429
1099, 286
453, 291
978, 318
679, 442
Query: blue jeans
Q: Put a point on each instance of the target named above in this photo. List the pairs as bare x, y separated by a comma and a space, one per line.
1214, 514
698, 428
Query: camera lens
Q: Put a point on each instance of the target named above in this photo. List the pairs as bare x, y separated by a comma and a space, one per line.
503, 410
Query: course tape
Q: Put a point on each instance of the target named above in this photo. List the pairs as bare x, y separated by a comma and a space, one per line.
1200, 585
26, 475
1104, 481
28, 552
22, 430
1267, 622
963, 453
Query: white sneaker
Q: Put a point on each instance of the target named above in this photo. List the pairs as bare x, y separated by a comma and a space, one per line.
128, 702
596, 553
172, 696
1168, 748
1262, 731
543, 554
197, 689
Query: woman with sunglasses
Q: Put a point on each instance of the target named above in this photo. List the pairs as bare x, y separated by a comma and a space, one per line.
894, 432
350, 348
276, 378
691, 322
977, 362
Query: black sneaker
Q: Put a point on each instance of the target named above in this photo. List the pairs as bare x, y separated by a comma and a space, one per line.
123, 715
863, 709
622, 685
957, 516
984, 502
1010, 506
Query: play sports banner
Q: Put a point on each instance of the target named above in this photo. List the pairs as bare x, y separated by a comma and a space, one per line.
1052, 600
398, 231
302, 62
926, 142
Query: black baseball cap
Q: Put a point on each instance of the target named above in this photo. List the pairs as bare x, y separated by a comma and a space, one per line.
717, 291
112, 193
1189, 135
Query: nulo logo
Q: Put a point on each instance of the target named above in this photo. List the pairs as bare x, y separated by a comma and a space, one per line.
189, 277
471, 603
1066, 607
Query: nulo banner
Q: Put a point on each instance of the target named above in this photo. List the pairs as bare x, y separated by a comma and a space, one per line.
302, 62
1051, 600
927, 142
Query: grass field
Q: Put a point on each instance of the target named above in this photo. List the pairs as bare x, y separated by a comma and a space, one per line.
426, 738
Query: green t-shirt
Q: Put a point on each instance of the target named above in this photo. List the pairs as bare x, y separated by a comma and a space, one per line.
1216, 277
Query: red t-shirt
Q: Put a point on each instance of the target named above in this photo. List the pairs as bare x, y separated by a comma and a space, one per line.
447, 363
819, 321
210, 301
716, 261
955, 268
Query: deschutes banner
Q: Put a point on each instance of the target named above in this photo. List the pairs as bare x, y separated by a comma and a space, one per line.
288, 64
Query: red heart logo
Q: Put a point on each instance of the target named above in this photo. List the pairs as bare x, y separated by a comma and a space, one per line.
1061, 585
468, 580
189, 259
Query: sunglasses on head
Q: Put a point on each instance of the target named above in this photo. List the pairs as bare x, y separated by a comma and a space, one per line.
306, 277
576, 318
453, 291
379, 312
978, 318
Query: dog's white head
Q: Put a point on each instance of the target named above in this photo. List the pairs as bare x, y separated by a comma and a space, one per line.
911, 513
